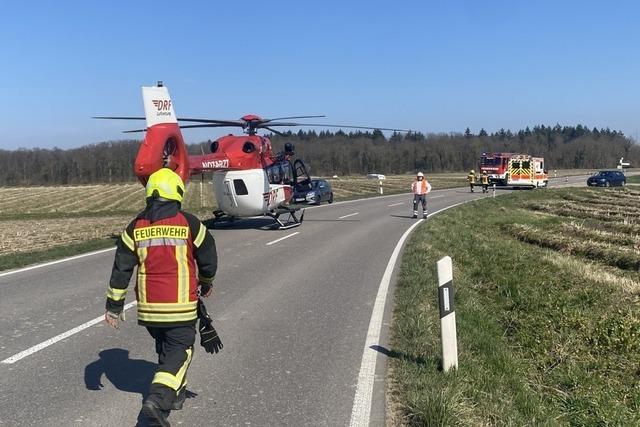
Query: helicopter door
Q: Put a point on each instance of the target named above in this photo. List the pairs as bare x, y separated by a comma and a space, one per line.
300, 174
228, 192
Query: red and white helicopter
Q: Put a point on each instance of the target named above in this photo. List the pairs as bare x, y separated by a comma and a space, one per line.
249, 179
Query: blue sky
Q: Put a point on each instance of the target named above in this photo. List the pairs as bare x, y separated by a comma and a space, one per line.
434, 66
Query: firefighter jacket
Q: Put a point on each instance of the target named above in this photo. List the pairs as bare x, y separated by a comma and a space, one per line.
471, 178
420, 187
485, 179
174, 252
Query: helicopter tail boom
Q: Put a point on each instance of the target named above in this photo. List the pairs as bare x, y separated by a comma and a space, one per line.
163, 145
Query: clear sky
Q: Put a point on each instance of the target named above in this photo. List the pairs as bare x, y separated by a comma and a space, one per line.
434, 66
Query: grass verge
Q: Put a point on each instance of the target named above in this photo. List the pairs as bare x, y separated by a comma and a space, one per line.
22, 259
548, 332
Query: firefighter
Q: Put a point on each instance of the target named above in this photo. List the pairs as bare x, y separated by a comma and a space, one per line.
485, 182
471, 178
166, 244
420, 188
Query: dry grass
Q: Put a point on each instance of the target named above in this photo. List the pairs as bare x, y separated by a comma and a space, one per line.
20, 236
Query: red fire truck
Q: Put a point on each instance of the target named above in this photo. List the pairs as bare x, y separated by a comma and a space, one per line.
514, 170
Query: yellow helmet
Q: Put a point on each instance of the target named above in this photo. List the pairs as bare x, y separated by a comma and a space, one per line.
472, 171
167, 184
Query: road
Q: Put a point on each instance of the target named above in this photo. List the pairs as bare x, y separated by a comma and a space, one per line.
293, 309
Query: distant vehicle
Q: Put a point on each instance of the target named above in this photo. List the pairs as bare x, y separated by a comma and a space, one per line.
514, 170
607, 179
376, 176
316, 192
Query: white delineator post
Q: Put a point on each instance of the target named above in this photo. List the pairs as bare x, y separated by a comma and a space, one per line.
380, 181
447, 315
494, 189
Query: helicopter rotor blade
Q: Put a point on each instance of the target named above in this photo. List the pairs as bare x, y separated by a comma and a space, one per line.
274, 131
210, 125
291, 117
285, 124
240, 123
118, 118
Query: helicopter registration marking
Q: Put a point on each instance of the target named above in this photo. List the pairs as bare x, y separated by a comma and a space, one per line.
224, 163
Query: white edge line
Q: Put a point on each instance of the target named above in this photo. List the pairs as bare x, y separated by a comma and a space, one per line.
395, 204
36, 348
282, 238
361, 410
347, 216
46, 264
435, 197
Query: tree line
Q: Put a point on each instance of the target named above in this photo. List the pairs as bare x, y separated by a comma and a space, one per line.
330, 153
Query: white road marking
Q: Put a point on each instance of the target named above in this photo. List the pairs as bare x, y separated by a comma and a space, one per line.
347, 216
51, 341
396, 204
361, 411
435, 197
282, 238
46, 264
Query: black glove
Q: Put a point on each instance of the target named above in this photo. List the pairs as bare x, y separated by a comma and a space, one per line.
209, 338
205, 288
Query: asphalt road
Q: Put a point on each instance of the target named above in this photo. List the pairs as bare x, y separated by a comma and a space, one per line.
293, 315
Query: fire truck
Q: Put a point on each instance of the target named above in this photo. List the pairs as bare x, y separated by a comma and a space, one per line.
514, 170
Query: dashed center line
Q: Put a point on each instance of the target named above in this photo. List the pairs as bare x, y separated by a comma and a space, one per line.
347, 216
435, 197
396, 204
282, 238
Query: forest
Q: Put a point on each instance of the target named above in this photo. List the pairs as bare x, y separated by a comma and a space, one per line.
340, 153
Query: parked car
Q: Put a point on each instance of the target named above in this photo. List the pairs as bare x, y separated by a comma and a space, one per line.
316, 192
607, 179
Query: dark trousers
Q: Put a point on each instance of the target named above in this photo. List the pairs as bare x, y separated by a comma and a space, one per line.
422, 199
174, 346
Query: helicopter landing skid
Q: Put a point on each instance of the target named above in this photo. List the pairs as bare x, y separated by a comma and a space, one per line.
290, 219
220, 219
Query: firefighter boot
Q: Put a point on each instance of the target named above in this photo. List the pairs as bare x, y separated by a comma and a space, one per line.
178, 402
155, 416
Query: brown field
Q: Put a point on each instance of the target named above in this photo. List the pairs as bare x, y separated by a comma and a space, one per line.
60, 215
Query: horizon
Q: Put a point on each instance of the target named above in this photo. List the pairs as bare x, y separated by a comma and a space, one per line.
433, 67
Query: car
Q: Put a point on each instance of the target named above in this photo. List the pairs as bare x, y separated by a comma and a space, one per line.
607, 179
316, 191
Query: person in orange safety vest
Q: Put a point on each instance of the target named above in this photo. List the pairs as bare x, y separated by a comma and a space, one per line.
176, 262
420, 188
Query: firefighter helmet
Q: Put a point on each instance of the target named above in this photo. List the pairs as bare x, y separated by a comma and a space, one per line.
167, 184
472, 172
420, 175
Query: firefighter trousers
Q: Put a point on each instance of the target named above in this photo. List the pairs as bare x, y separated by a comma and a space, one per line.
419, 198
174, 346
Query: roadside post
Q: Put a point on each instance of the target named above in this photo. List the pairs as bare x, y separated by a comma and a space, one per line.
381, 192
448, 334
494, 189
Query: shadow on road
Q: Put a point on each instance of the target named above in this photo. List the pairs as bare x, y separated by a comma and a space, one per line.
398, 355
130, 375
403, 216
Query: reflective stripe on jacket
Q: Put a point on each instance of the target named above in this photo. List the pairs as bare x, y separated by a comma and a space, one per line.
420, 187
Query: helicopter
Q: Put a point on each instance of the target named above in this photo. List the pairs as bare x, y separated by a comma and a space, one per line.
249, 178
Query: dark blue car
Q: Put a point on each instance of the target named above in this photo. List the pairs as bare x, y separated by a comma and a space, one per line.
607, 179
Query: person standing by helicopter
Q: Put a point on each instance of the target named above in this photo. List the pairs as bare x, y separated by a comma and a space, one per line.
420, 188
177, 261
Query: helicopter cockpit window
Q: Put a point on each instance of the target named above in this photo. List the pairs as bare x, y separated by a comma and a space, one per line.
286, 172
273, 172
280, 173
